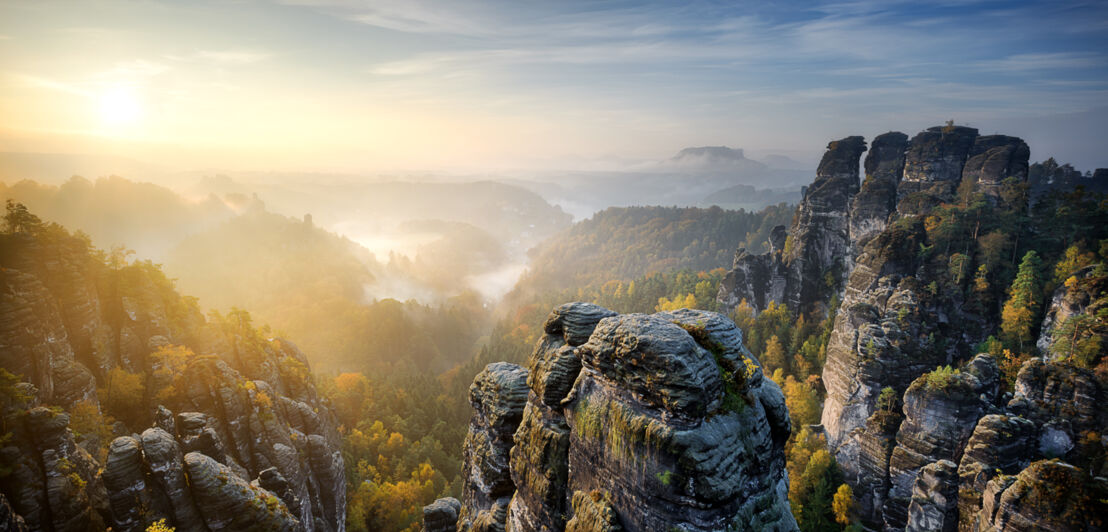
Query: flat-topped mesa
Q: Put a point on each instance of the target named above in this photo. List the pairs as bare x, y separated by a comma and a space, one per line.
933, 167
993, 159
876, 200
642, 422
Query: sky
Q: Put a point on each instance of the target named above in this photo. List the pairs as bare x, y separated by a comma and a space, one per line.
360, 86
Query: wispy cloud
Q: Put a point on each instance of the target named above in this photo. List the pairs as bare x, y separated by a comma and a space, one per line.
1045, 61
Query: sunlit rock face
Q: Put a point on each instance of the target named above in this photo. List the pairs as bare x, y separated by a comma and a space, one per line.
642, 422
236, 411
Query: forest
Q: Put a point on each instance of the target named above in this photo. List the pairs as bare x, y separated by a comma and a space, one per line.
397, 373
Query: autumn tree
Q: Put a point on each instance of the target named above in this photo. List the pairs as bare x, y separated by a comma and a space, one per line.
843, 505
122, 396
774, 355
18, 219
1022, 308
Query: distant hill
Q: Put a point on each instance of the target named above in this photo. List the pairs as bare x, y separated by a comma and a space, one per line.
751, 198
625, 243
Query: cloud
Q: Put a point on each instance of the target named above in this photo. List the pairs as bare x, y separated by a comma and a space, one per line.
1044, 61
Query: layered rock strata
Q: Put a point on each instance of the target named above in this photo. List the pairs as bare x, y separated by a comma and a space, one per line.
645, 422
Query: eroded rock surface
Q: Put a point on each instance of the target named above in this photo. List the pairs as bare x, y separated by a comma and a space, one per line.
669, 423
498, 395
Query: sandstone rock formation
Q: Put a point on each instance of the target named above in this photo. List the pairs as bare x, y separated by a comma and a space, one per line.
926, 449
816, 256
876, 200
934, 506
1085, 292
993, 159
1048, 495
248, 409
668, 423
498, 395
933, 167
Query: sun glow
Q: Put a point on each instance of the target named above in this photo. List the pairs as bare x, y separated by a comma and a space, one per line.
120, 106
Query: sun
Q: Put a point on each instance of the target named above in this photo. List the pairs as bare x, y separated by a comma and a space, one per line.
120, 106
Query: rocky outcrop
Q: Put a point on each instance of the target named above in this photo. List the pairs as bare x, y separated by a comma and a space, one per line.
441, 515
757, 279
934, 506
933, 167
882, 335
539, 457
68, 321
593, 512
941, 409
818, 251
993, 159
1049, 495
876, 200
1065, 402
635, 422
815, 258
674, 420
1083, 294
230, 503
498, 395
1000, 445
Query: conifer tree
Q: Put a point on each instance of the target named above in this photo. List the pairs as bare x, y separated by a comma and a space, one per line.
1022, 307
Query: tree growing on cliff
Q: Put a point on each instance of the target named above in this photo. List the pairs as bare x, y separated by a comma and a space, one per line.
1022, 308
18, 219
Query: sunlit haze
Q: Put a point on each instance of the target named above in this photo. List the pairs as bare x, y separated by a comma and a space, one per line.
353, 86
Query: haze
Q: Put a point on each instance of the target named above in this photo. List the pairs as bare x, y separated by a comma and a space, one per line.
488, 87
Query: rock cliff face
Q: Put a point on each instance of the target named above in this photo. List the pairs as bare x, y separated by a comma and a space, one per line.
869, 213
927, 447
815, 258
933, 167
251, 446
642, 422
1085, 293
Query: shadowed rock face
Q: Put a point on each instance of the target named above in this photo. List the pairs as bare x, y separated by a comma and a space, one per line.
668, 423
993, 159
441, 515
818, 242
498, 395
933, 167
1084, 295
1000, 445
869, 213
246, 403
892, 328
934, 506
939, 417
